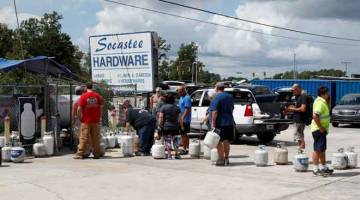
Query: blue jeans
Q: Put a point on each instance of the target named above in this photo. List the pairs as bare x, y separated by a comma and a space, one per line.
146, 135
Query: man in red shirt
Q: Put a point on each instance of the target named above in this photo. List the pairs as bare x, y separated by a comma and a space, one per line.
90, 106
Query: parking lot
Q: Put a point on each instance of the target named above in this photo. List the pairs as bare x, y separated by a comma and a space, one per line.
115, 177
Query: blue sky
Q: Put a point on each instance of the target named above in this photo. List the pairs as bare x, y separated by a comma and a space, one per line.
222, 50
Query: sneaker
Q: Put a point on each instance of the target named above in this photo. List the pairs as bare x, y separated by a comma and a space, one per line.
317, 172
226, 162
177, 157
327, 171
183, 152
220, 163
169, 157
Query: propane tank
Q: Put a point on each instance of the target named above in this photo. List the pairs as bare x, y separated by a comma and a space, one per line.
136, 143
207, 152
111, 140
352, 158
17, 154
214, 156
281, 154
261, 156
194, 148
103, 149
127, 145
158, 150
105, 141
6, 153
2, 141
212, 139
39, 149
338, 160
301, 163
48, 140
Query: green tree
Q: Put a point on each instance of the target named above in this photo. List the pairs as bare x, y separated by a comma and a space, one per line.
310, 74
6, 40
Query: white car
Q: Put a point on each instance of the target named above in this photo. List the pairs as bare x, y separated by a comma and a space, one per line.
248, 117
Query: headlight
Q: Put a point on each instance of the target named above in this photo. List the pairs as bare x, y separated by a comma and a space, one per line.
335, 112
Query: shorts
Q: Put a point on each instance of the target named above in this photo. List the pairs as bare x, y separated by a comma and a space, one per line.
299, 131
171, 142
319, 141
186, 129
226, 133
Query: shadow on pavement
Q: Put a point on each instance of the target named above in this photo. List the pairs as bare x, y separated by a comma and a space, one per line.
234, 164
4, 166
238, 156
349, 126
344, 174
255, 142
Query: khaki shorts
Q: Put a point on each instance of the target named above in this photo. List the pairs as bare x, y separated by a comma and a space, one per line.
299, 131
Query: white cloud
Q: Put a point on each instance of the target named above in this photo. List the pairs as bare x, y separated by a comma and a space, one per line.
7, 16
303, 52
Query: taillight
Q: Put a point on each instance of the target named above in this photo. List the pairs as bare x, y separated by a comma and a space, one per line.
248, 111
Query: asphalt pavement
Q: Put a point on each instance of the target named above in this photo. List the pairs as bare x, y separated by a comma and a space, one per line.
116, 177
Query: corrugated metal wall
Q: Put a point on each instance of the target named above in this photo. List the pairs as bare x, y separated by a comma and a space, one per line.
337, 88
346, 87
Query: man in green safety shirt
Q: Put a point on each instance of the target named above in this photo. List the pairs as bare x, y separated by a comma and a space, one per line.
320, 128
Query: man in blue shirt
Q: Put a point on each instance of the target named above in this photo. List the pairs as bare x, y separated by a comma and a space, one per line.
185, 108
221, 108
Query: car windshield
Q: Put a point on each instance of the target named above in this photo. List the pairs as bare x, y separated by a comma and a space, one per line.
350, 100
241, 97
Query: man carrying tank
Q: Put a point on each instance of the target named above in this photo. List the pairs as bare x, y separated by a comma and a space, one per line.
320, 128
185, 110
300, 114
144, 123
90, 107
221, 108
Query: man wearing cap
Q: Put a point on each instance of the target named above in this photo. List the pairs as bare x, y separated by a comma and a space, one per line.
185, 109
299, 110
90, 107
221, 108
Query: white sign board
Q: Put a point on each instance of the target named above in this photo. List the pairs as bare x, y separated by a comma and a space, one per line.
123, 60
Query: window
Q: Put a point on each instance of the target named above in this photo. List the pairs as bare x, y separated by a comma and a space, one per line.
261, 91
206, 101
195, 98
241, 97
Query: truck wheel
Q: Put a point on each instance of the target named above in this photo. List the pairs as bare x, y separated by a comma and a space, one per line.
335, 124
265, 138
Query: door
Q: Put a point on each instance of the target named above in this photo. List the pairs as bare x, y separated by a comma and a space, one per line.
195, 102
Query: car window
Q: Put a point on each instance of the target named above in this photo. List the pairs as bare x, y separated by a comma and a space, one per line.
261, 91
206, 101
350, 100
195, 98
241, 97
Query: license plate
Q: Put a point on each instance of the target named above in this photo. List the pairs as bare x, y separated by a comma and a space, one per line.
269, 127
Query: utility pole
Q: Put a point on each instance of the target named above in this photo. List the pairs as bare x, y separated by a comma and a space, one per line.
294, 74
18, 31
346, 63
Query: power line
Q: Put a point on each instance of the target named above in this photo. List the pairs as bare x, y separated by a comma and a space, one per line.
231, 27
259, 23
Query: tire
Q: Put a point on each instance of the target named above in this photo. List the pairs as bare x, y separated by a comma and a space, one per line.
335, 124
266, 137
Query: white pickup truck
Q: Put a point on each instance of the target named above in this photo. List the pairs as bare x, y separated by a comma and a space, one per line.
249, 120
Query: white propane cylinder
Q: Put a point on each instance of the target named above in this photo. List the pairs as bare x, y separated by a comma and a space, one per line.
212, 139
2, 141
127, 145
48, 140
17, 154
158, 150
39, 149
339, 160
214, 156
103, 149
352, 158
6, 153
207, 152
105, 141
281, 154
194, 148
261, 156
301, 163
111, 140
